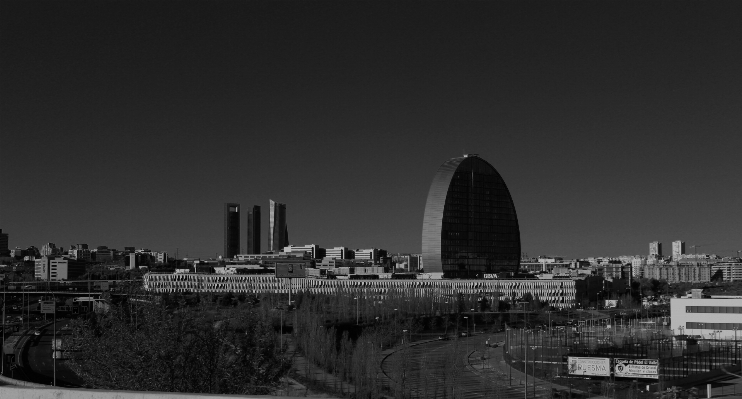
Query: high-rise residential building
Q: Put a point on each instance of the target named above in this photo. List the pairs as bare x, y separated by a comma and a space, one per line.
279, 237
678, 249
231, 229
470, 227
48, 249
253, 230
655, 249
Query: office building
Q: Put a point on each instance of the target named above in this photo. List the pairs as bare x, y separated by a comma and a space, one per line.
231, 230
655, 249
339, 253
560, 293
372, 254
314, 251
678, 250
709, 317
57, 268
279, 237
79, 252
3, 242
253, 230
470, 227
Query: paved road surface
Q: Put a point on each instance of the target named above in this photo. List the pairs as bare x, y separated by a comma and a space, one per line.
440, 369
39, 363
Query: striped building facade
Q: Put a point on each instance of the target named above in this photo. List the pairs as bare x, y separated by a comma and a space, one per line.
559, 293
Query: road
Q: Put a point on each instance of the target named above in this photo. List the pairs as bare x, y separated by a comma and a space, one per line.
39, 364
439, 369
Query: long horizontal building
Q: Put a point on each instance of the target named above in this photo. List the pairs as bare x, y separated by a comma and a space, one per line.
557, 292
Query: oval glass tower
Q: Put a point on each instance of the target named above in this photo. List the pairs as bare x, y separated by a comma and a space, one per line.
470, 227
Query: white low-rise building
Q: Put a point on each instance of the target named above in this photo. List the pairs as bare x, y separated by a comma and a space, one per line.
711, 318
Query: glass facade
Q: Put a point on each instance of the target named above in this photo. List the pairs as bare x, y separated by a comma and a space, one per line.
231, 230
477, 231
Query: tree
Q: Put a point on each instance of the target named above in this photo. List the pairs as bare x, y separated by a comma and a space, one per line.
151, 348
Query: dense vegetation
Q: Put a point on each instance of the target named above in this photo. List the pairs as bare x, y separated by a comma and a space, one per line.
151, 346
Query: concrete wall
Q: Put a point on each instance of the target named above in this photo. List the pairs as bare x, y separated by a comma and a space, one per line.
61, 393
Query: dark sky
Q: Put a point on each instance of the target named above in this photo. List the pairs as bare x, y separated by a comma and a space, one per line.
130, 124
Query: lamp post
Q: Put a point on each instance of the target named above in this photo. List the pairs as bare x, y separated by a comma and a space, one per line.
2, 360
736, 347
534, 367
467, 333
525, 356
357, 317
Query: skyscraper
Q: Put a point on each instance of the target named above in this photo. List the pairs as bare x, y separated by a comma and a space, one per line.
3, 242
470, 227
253, 230
231, 229
279, 230
655, 249
678, 249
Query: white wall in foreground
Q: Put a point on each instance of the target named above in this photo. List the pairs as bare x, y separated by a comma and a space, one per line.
7, 392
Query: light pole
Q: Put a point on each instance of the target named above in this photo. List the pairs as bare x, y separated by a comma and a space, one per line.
534, 367
467, 333
736, 348
54, 339
525, 356
357, 317
2, 361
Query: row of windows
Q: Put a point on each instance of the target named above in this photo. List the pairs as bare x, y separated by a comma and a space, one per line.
713, 309
466, 238
482, 225
463, 211
693, 325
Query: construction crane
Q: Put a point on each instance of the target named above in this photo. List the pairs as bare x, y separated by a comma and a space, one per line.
698, 246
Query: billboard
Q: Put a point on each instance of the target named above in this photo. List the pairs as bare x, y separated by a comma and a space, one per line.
637, 368
291, 270
48, 307
599, 366
611, 303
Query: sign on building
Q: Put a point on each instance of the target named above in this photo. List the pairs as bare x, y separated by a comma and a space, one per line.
290, 270
637, 368
598, 366
47, 307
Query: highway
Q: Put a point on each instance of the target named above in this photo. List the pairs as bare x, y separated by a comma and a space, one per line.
440, 369
38, 361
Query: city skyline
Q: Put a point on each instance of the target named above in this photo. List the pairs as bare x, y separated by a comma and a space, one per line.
614, 124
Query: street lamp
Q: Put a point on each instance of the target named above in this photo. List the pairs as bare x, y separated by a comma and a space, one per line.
534, 369
736, 347
356, 298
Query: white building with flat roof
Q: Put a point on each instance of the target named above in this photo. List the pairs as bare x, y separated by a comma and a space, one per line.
711, 318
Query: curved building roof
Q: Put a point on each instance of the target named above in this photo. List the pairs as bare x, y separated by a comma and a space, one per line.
470, 226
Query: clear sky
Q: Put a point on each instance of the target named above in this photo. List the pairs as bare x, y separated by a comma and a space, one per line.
131, 123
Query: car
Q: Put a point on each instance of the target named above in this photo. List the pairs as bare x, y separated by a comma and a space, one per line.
443, 338
465, 334
37, 332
